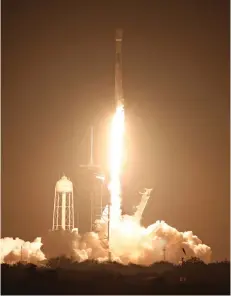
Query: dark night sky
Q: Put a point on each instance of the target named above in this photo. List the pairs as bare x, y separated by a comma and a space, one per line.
58, 78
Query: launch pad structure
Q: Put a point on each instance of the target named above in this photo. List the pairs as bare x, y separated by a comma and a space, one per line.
96, 196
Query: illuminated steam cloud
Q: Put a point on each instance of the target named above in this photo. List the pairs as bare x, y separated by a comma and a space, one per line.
132, 243
15, 250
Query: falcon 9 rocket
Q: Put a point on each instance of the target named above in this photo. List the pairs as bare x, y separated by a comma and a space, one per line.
119, 98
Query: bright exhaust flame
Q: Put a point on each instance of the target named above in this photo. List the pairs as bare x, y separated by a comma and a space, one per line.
116, 156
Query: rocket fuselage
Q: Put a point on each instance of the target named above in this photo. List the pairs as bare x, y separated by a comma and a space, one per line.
119, 98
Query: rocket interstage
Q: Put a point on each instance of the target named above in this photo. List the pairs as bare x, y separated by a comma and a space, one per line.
119, 98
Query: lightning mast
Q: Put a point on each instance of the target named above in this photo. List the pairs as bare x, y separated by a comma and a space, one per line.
91, 166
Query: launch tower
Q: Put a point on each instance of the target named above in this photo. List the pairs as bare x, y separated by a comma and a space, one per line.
63, 214
96, 189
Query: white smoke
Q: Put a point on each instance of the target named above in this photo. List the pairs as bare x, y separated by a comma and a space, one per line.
129, 243
140, 208
15, 250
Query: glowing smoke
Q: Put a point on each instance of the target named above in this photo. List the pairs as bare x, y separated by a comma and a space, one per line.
132, 243
15, 250
140, 208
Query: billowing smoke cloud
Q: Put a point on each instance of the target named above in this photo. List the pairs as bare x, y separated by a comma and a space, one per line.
129, 243
15, 250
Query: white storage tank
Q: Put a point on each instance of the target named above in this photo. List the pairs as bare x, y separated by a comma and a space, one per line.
64, 185
63, 214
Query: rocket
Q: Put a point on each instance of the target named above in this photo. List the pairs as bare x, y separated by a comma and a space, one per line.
119, 98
